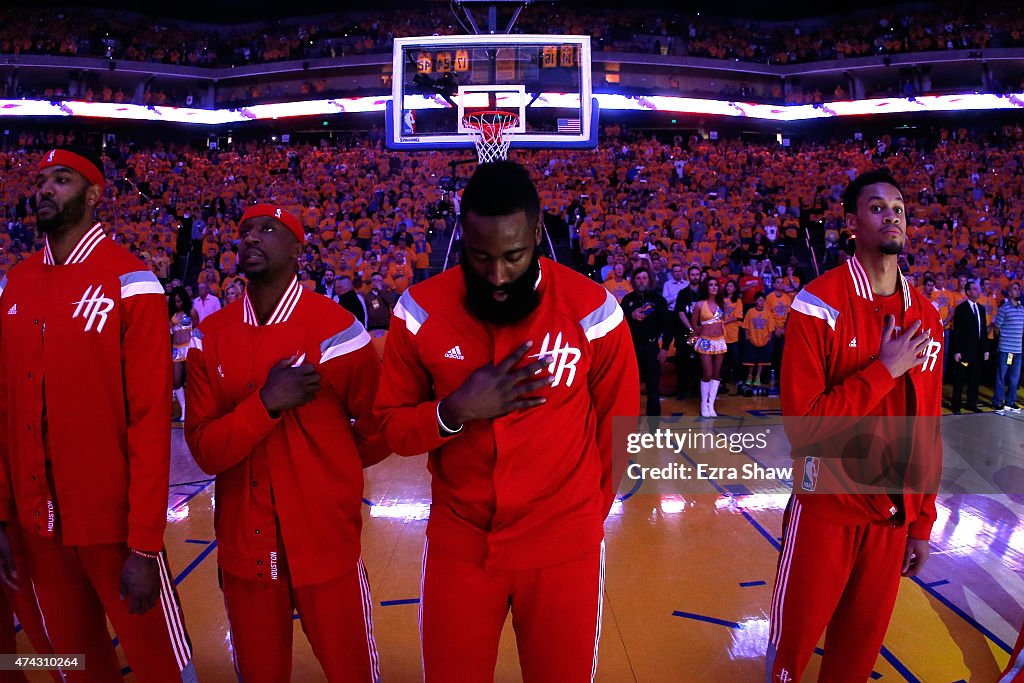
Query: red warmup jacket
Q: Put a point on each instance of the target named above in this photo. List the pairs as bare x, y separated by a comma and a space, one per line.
531, 488
85, 376
301, 471
831, 370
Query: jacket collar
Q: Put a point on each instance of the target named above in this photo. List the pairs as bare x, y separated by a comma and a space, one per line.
862, 285
82, 250
282, 312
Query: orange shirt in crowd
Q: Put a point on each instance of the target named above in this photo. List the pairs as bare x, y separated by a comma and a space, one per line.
619, 289
759, 326
732, 329
778, 304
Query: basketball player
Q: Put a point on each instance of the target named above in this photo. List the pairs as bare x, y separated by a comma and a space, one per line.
84, 386
274, 380
521, 459
860, 342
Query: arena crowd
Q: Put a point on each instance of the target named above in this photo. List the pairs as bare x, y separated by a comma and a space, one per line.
729, 210
93, 33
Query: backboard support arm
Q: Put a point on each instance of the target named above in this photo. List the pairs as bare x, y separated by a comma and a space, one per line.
492, 13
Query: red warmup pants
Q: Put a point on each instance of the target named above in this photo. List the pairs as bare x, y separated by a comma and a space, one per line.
556, 613
335, 617
78, 587
23, 604
844, 577
1014, 672
8, 639
28, 617
8, 643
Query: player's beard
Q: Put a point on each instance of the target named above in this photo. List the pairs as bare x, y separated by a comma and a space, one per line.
522, 299
891, 248
70, 214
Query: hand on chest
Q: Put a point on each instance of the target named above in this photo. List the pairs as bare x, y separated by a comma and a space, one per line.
859, 336
452, 352
244, 359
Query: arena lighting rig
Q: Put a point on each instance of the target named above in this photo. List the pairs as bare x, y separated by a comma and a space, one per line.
608, 102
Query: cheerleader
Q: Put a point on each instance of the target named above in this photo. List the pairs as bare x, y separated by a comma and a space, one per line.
708, 322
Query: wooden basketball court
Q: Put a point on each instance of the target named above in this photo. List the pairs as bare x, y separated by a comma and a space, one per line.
689, 577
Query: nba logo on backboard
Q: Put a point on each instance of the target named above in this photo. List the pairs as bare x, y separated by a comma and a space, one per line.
811, 465
409, 122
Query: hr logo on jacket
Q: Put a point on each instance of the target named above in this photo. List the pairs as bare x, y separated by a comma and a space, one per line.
562, 358
931, 353
94, 307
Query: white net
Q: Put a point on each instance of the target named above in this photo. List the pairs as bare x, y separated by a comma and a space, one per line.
492, 133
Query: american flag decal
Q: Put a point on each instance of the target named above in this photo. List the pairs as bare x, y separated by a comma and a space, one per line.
569, 126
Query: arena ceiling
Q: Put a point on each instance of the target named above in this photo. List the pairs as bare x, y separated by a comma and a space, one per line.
243, 11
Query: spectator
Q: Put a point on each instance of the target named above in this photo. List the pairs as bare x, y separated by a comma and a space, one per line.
759, 327
233, 292
380, 301
205, 304
421, 259
1009, 323
732, 318
778, 304
751, 284
648, 318
687, 364
969, 348
790, 281
673, 285
344, 293
617, 283
326, 285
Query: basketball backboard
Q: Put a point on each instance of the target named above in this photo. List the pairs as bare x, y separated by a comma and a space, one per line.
543, 79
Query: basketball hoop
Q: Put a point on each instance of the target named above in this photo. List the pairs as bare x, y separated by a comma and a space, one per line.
491, 131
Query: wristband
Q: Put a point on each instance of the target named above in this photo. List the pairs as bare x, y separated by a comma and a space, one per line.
440, 423
142, 553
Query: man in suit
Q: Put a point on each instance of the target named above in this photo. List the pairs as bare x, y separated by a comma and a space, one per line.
969, 344
649, 322
326, 284
688, 367
344, 293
